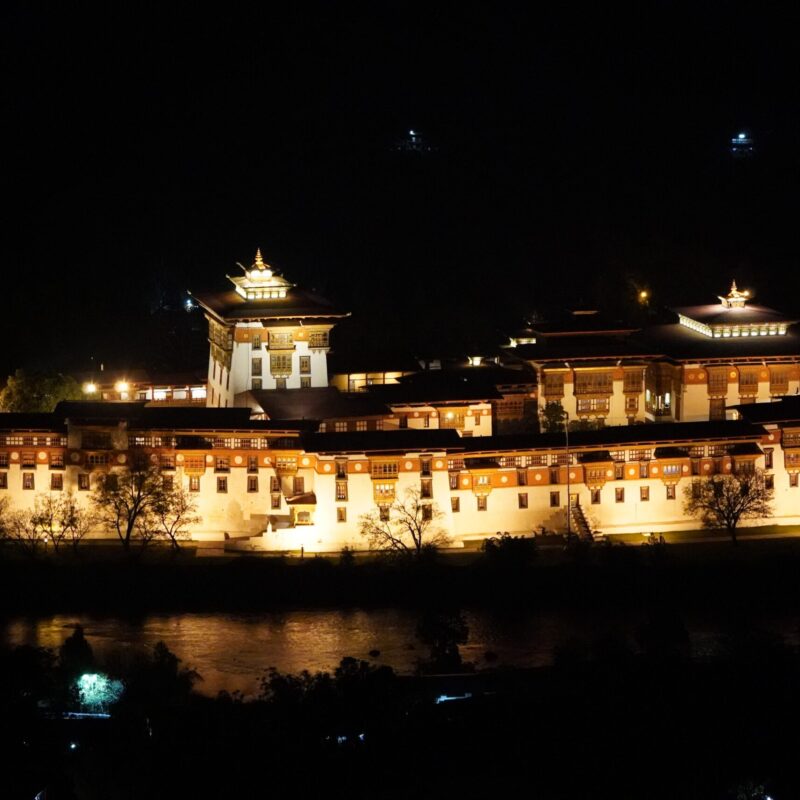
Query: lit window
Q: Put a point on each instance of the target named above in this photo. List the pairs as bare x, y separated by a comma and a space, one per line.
27, 480
670, 492
222, 484
252, 483
644, 493
482, 503
194, 483
619, 495
83, 481
341, 514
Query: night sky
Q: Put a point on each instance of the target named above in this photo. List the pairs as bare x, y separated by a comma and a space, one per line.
573, 158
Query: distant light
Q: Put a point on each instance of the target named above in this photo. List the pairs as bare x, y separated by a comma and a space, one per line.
411, 133
448, 698
742, 136
73, 745
96, 692
643, 295
122, 386
90, 388
188, 305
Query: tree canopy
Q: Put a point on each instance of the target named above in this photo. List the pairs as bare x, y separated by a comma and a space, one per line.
723, 501
37, 391
407, 526
137, 504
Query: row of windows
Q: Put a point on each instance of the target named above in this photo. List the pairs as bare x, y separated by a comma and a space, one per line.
56, 481
34, 441
280, 383
279, 365
28, 460
201, 442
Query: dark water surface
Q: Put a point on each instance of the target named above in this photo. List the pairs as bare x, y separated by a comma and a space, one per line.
232, 651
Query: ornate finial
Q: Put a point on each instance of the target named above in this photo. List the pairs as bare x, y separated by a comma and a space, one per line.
259, 260
735, 298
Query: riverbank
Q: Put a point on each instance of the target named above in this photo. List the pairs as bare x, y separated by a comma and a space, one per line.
750, 574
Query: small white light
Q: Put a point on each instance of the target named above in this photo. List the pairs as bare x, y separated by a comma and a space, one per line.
90, 388
122, 386
742, 136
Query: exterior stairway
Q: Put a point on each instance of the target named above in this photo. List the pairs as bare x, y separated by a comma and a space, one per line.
580, 524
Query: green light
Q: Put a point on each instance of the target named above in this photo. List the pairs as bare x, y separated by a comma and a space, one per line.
97, 692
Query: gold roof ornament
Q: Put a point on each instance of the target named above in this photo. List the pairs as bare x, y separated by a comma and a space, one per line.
259, 262
735, 298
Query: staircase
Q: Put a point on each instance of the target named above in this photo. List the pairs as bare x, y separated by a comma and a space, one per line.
579, 523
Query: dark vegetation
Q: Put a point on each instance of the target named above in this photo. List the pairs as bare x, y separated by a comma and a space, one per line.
511, 572
618, 718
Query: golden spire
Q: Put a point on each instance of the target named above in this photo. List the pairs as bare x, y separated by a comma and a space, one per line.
259, 260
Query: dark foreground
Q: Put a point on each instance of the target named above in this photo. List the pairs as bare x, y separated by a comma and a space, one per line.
751, 574
609, 723
610, 719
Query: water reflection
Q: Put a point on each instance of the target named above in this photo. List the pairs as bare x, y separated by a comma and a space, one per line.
232, 651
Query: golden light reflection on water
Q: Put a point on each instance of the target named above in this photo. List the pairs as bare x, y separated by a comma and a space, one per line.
232, 651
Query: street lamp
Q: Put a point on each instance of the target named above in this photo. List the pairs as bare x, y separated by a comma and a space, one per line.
569, 507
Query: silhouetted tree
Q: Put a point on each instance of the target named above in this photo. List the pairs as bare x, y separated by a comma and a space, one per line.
410, 528
172, 514
553, 417
442, 632
127, 501
723, 501
75, 655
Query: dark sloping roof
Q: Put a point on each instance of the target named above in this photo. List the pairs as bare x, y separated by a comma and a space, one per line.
785, 410
399, 441
575, 347
14, 421
717, 314
596, 456
670, 452
361, 362
324, 402
485, 376
680, 342
188, 417
449, 389
141, 416
621, 435
97, 412
297, 303
305, 499
746, 449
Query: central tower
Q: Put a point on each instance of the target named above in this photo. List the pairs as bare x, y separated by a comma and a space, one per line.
265, 333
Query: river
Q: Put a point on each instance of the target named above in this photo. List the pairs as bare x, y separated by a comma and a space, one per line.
232, 651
